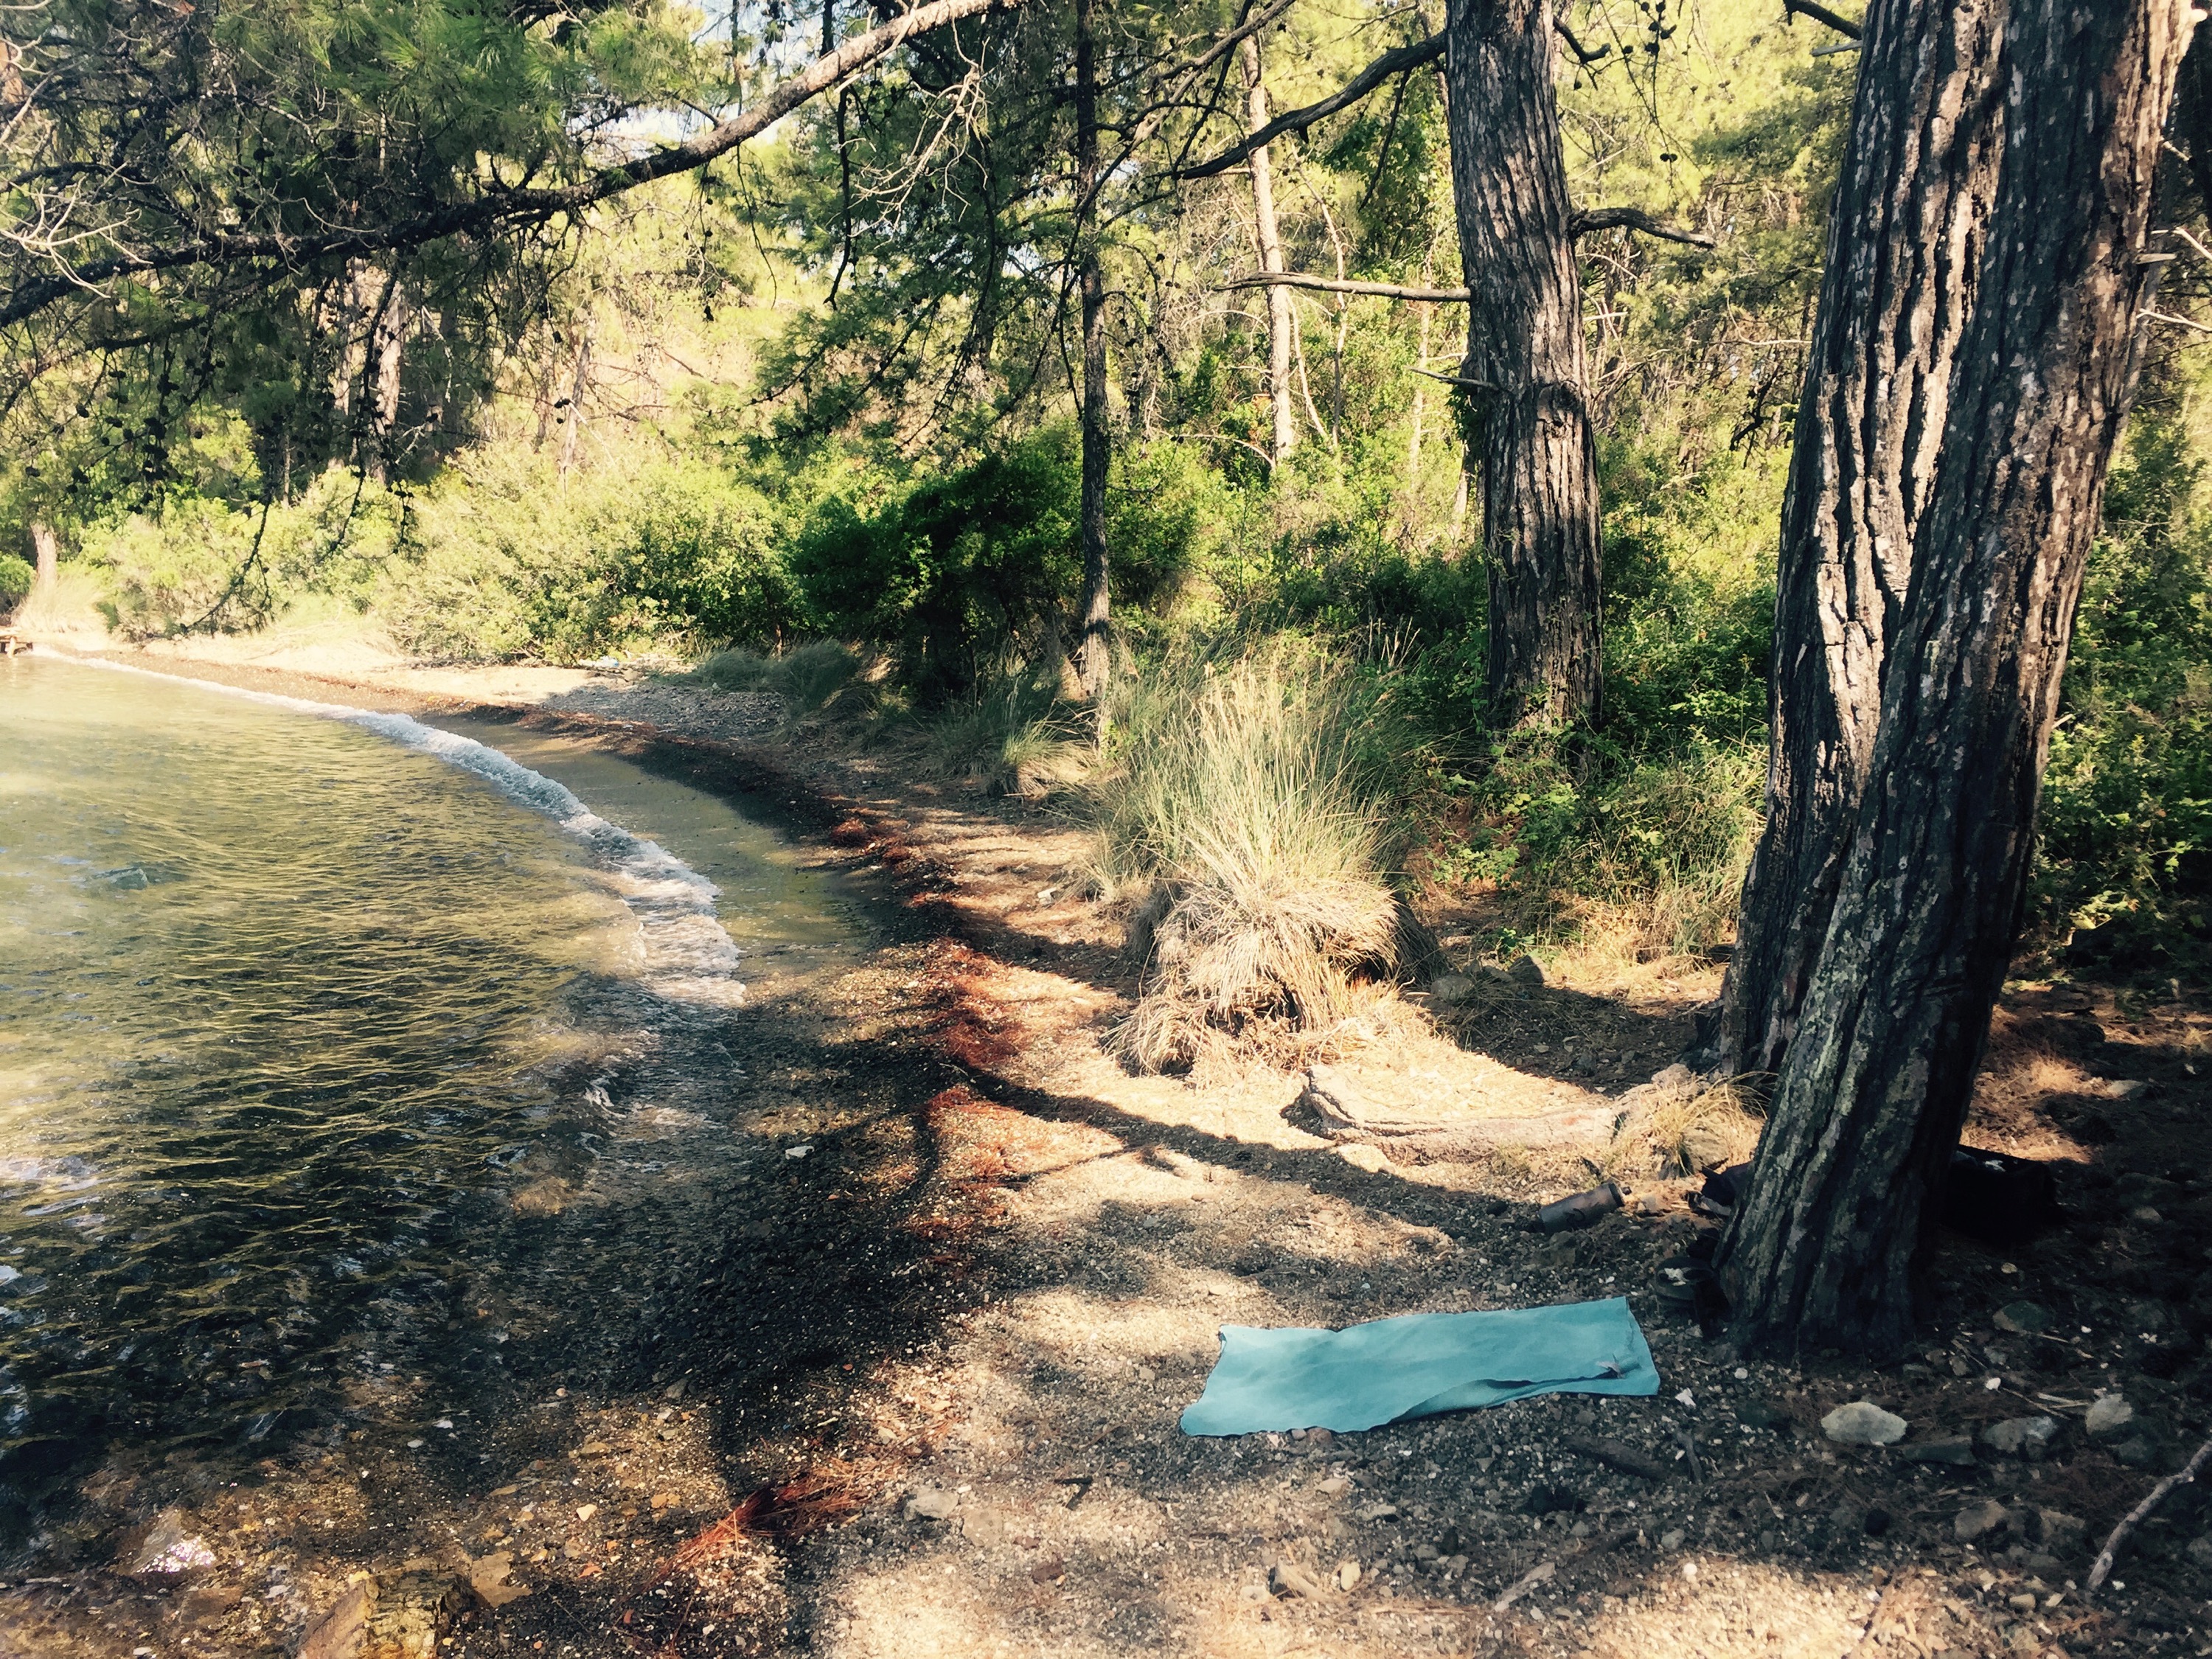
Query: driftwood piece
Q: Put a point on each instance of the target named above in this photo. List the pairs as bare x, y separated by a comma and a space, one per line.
1414, 1131
2136, 1516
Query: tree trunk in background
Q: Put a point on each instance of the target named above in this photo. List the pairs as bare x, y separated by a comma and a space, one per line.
1904, 232
385, 364
578, 386
1094, 661
1532, 427
46, 551
1824, 1248
1271, 259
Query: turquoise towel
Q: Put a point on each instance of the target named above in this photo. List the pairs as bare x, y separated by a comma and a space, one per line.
1418, 1364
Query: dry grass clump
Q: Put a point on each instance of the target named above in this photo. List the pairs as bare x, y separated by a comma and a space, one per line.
1249, 816
1011, 734
1693, 1133
810, 678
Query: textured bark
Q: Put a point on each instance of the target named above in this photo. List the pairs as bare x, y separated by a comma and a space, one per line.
46, 549
1532, 425
1905, 236
386, 360
1270, 239
1825, 1249
1093, 654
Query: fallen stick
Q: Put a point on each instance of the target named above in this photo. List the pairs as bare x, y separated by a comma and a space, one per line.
1625, 1458
2134, 1517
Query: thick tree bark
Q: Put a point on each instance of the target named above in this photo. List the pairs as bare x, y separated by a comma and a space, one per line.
1271, 260
1532, 434
1825, 1249
1094, 661
1905, 235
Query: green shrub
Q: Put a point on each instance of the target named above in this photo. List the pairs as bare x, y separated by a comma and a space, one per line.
2125, 823
16, 576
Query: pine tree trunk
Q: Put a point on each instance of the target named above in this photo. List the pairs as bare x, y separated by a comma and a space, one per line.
46, 551
1839, 1217
1093, 656
1904, 232
391, 340
1532, 434
1270, 239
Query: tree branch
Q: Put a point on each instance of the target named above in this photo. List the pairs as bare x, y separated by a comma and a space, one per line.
1586, 220
1821, 14
2133, 1518
1394, 62
1577, 46
1327, 285
489, 214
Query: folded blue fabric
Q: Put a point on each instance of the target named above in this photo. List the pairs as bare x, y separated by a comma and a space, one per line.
1418, 1364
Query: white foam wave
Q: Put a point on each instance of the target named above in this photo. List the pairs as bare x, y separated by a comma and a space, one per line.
690, 956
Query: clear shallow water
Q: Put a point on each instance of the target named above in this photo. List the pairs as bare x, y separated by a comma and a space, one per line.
290, 1007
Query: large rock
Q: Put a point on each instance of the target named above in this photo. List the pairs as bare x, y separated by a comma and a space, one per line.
1862, 1422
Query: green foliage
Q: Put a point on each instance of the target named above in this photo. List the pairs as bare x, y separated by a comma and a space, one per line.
2126, 818
16, 576
809, 677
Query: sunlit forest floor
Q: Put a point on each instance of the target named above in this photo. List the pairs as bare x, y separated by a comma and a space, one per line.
920, 1396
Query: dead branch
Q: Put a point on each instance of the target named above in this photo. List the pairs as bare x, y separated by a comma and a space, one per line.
1327, 285
1821, 14
2136, 1516
1394, 62
1636, 219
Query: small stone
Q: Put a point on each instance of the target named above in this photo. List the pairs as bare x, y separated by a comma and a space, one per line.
2021, 1436
2144, 1215
2023, 1318
1525, 970
1289, 1579
1379, 1512
1648, 1204
934, 1505
1370, 1158
1449, 988
663, 1500
2108, 1414
1335, 1486
1671, 1541
2058, 1531
586, 1511
167, 1548
1956, 1448
1862, 1422
2136, 1452
1347, 1576
2200, 1551
2023, 1602
799, 1151
1979, 1520
488, 1578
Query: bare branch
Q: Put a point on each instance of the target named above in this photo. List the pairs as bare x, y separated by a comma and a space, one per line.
1325, 285
2134, 1517
1577, 48
1821, 14
1616, 218
1394, 62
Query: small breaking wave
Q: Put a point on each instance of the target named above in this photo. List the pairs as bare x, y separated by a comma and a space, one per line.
690, 956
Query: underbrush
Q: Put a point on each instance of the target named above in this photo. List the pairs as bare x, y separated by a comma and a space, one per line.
1251, 821
811, 679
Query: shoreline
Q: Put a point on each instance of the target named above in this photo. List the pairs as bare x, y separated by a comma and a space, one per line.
1017, 1484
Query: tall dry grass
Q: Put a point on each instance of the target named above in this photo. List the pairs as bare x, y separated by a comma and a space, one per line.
1249, 823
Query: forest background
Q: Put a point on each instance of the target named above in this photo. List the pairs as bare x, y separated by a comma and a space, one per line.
805, 420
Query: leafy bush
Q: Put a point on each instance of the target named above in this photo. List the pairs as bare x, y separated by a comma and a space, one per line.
960, 573
16, 576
